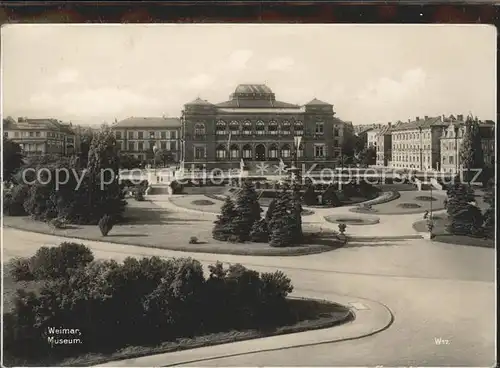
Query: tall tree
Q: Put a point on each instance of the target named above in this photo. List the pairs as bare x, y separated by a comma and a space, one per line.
12, 158
224, 225
471, 150
283, 227
464, 218
248, 210
368, 156
489, 214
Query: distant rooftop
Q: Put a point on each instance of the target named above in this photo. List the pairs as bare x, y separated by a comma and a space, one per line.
148, 122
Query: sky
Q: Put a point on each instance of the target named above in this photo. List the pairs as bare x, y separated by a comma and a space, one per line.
370, 73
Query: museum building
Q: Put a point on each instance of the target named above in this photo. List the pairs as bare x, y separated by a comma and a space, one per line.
255, 127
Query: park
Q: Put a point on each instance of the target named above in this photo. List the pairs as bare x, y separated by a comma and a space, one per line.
236, 272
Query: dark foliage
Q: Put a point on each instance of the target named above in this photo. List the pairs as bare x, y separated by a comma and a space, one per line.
310, 198
260, 232
13, 201
105, 224
176, 187
248, 211
283, 226
464, 218
489, 214
329, 196
12, 158
224, 225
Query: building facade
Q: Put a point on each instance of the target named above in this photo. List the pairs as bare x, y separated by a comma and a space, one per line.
417, 144
137, 136
384, 146
451, 142
252, 125
41, 136
372, 137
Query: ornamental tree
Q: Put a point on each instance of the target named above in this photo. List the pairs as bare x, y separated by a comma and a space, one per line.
248, 211
224, 225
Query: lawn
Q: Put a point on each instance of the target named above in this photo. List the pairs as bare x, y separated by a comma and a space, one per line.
442, 235
308, 315
152, 226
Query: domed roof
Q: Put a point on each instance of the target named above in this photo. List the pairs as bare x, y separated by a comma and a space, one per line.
198, 102
253, 88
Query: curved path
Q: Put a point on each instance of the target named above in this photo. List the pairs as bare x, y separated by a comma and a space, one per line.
441, 296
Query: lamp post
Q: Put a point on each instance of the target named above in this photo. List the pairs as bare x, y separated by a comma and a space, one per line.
155, 149
420, 134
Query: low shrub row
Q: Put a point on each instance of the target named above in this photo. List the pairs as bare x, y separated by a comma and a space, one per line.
109, 305
384, 198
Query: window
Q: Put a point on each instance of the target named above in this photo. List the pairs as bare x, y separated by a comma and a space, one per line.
173, 146
16, 134
319, 150
247, 127
130, 135
285, 151
173, 134
247, 151
234, 151
118, 135
163, 145
199, 129
199, 152
131, 146
285, 128
319, 128
151, 135
220, 128
234, 127
273, 127
273, 151
298, 128
260, 127
140, 146
140, 135
220, 152
336, 132
450, 160
5, 134
163, 135
32, 134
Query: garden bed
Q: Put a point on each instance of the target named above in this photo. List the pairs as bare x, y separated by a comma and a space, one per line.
426, 198
409, 205
202, 202
350, 220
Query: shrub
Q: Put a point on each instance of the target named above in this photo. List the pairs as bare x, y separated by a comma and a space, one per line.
310, 198
20, 269
409, 205
57, 223
176, 187
248, 211
193, 240
105, 225
202, 202
425, 198
13, 202
329, 196
139, 194
464, 218
223, 226
342, 228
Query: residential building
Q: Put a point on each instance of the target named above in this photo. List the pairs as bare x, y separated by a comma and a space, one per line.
366, 127
138, 135
41, 136
371, 137
417, 144
384, 146
363, 136
451, 142
252, 125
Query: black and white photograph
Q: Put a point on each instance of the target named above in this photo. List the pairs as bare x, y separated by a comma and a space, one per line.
248, 195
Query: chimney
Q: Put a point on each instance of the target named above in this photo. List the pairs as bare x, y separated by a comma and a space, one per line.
426, 117
389, 123
408, 120
20, 120
460, 117
418, 118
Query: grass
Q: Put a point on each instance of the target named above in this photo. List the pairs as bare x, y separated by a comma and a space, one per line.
443, 236
149, 225
308, 315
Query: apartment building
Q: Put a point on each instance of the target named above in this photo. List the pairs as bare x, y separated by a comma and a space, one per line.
451, 142
417, 144
371, 137
384, 146
138, 136
41, 136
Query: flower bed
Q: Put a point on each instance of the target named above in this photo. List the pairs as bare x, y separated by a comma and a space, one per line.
384, 198
202, 202
426, 198
409, 205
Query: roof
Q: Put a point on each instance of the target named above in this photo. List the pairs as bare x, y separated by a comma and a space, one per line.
258, 103
39, 124
386, 129
316, 102
198, 102
366, 130
253, 88
144, 122
423, 124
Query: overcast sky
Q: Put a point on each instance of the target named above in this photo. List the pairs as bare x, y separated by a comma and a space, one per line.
371, 74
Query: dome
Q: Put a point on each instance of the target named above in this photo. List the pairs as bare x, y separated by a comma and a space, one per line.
253, 88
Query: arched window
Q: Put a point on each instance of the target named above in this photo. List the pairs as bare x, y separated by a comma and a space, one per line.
298, 128
247, 127
199, 129
273, 127
260, 127
234, 151
285, 151
285, 127
221, 127
220, 151
273, 151
247, 151
234, 127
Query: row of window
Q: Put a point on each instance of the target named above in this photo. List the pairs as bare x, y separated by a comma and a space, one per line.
408, 136
412, 158
169, 134
140, 146
260, 152
37, 134
411, 147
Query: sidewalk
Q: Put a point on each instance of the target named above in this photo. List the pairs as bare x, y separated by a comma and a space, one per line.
371, 318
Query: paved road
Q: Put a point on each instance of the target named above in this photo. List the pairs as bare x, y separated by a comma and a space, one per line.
435, 291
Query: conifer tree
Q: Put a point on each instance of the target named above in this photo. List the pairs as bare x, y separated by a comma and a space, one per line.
248, 211
310, 198
471, 150
464, 218
283, 224
330, 197
489, 214
223, 226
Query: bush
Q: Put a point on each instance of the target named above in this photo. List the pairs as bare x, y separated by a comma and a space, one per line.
342, 228
202, 202
283, 225
20, 269
193, 240
105, 225
176, 187
57, 223
260, 232
409, 205
248, 211
329, 197
13, 202
139, 194
223, 226
309, 197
